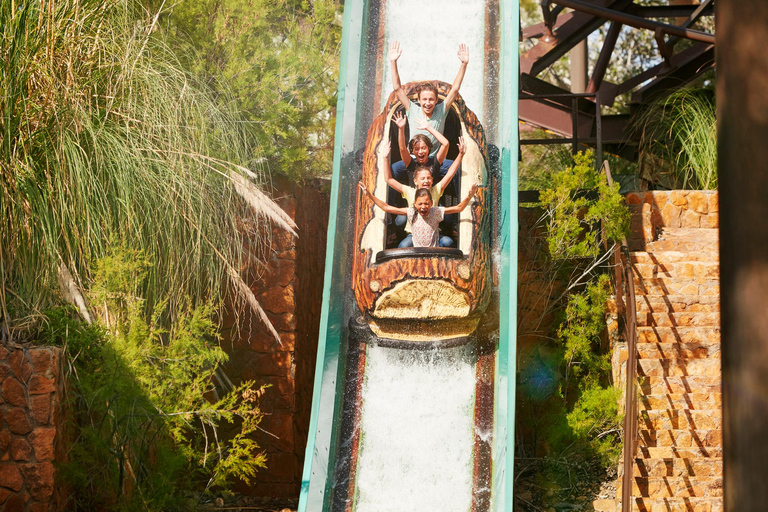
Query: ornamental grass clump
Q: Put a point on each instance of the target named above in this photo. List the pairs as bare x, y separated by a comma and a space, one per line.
106, 138
678, 145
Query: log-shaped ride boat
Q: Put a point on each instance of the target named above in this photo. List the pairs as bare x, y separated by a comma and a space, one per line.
422, 294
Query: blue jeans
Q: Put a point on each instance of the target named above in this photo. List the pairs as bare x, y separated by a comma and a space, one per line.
445, 241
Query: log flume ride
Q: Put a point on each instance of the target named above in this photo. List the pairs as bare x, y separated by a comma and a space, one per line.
413, 404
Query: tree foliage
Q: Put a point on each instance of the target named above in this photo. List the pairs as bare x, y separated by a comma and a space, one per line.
105, 137
576, 221
148, 420
279, 58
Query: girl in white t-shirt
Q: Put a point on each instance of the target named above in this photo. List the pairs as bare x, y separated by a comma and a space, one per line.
424, 217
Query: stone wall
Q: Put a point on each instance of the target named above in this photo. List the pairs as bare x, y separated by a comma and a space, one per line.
30, 427
657, 209
289, 289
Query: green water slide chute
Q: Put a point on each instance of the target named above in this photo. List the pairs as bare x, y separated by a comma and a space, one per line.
358, 71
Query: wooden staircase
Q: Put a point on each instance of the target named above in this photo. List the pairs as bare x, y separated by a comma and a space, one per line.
678, 463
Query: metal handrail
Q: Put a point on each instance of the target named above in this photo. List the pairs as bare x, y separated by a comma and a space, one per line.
625, 290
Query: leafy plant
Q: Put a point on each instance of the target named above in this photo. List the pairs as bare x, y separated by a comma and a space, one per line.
104, 137
147, 416
280, 60
575, 221
678, 144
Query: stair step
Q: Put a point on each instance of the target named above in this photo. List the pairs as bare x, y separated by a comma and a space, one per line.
678, 334
679, 419
671, 467
674, 487
702, 234
668, 257
680, 438
679, 270
674, 452
677, 304
681, 384
681, 401
678, 367
661, 286
683, 350
663, 505
678, 319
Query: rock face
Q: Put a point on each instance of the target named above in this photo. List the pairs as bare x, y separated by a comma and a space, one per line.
30, 427
678, 463
289, 288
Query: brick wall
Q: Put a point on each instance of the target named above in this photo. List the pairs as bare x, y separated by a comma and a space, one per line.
30, 427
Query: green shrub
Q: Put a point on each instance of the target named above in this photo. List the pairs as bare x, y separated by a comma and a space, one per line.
574, 221
150, 425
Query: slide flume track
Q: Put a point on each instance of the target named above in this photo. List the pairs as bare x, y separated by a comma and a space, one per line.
413, 404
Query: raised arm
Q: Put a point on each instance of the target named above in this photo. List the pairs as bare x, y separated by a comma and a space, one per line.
392, 182
443, 151
401, 121
463, 204
463, 55
454, 166
394, 54
381, 204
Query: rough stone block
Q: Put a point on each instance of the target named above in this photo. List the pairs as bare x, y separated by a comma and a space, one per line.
679, 198
671, 215
39, 507
5, 439
20, 366
39, 479
690, 219
40, 408
41, 359
14, 392
286, 272
698, 202
39, 385
20, 449
10, 476
18, 423
278, 300
4, 493
42, 442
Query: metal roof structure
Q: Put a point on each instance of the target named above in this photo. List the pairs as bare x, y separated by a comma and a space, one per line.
548, 106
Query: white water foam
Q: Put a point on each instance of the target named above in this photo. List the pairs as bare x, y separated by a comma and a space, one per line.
429, 32
417, 432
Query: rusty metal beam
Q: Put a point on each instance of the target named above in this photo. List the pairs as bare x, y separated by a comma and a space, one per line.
636, 21
544, 54
680, 75
681, 59
537, 30
605, 57
666, 11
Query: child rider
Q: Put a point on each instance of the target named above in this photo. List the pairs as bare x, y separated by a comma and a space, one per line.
424, 217
422, 178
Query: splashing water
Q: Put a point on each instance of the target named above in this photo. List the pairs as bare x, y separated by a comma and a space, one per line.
429, 32
417, 431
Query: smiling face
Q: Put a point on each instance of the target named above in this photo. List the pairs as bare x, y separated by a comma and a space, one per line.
422, 178
420, 152
423, 204
428, 100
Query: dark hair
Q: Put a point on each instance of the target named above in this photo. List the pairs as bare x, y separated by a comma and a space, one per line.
420, 137
420, 193
426, 86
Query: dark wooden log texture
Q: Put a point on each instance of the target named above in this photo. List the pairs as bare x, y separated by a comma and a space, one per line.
389, 273
742, 112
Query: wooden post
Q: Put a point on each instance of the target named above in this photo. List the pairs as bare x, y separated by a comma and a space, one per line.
742, 108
